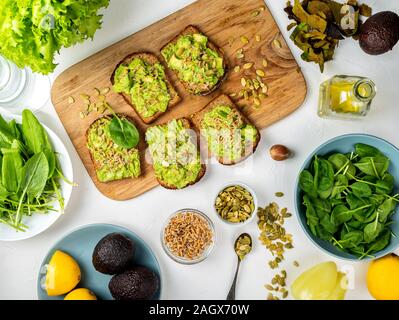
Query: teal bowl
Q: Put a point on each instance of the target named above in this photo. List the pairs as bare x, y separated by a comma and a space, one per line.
80, 244
345, 144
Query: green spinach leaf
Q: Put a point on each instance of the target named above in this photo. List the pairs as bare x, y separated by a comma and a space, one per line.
123, 133
372, 230
385, 209
311, 215
365, 150
35, 174
373, 166
361, 190
340, 215
351, 239
36, 139
11, 169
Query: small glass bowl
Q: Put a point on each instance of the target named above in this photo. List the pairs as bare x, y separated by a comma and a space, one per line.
206, 252
253, 194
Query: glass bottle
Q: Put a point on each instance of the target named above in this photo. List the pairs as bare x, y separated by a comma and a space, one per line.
21, 88
346, 97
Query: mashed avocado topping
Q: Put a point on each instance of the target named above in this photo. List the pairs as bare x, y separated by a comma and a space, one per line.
195, 64
228, 136
113, 162
176, 158
146, 84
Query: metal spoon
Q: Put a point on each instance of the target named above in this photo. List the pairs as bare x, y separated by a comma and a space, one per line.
232, 293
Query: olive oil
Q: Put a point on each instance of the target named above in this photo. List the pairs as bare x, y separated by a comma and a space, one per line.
346, 97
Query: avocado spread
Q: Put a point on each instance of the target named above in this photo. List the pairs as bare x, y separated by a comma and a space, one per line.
146, 84
112, 161
198, 66
176, 158
227, 134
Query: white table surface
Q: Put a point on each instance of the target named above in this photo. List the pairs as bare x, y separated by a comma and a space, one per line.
303, 131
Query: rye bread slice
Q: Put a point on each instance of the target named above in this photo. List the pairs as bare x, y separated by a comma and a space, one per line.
225, 100
187, 124
190, 29
150, 59
96, 164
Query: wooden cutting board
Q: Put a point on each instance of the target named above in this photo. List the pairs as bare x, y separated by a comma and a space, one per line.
224, 22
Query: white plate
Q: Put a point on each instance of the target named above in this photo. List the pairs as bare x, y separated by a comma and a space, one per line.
38, 222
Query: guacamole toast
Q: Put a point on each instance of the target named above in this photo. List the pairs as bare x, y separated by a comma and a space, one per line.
175, 154
230, 136
111, 162
197, 62
141, 80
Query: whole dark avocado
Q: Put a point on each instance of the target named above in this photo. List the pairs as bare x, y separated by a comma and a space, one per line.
113, 254
379, 33
137, 283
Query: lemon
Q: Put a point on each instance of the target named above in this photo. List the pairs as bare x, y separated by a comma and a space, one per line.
63, 274
80, 294
383, 278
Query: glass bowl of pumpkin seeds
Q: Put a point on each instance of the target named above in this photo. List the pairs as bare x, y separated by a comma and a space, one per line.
236, 203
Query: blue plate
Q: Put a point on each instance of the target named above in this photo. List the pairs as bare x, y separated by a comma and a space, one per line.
345, 144
80, 245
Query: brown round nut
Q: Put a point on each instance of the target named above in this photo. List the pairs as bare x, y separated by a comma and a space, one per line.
279, 152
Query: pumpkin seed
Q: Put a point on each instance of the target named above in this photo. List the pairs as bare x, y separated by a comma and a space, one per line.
244, 40
279, 194
260, 73
255, 13
84, 96
277, 43
237, 69
239, 55
248, 65
264, 63
71, 100
105, 91
257, 38
243, 82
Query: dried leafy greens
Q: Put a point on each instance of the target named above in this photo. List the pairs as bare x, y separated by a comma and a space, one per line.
319, 25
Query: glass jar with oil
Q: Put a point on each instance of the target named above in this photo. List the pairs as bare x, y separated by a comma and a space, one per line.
346, 97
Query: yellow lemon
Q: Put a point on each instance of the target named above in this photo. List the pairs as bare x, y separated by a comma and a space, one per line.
81, 294
383, 278
63, 274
